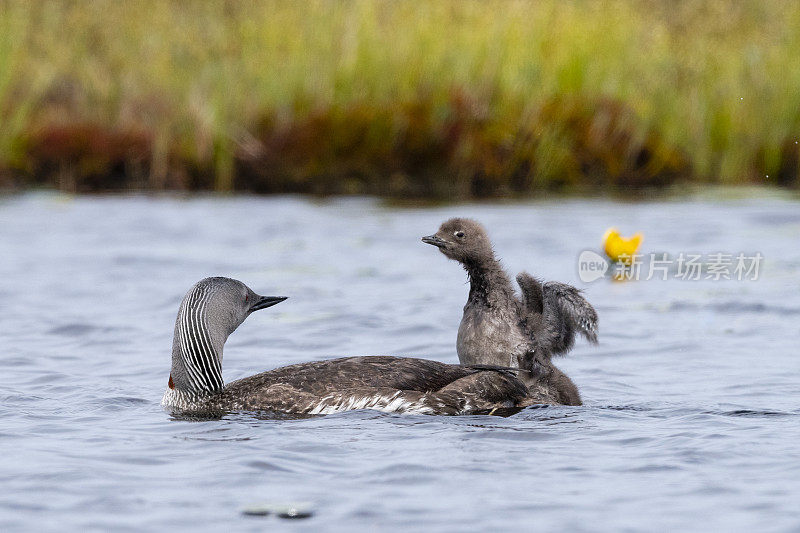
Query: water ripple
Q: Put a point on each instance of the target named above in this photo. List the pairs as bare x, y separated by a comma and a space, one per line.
690, 412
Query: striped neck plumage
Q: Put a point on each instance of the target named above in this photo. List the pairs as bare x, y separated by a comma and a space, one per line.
197, 354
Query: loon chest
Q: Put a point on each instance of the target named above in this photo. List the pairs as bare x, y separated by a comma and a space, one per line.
489, 336
176, 399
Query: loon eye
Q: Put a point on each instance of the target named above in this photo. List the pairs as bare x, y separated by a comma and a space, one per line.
246, 298
459, 234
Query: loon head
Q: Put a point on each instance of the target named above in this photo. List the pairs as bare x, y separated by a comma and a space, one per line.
463, 240
211, 310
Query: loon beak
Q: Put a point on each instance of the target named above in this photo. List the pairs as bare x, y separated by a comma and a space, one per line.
266, 301
434, 240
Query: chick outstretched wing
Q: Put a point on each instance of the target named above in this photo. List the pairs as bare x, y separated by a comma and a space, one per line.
564, 312
532, 294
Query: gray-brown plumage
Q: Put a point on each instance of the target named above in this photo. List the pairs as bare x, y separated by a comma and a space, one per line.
396, 384
215, 307
501, 329
554, 313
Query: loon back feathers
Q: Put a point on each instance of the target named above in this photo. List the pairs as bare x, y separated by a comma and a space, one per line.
392, 384
553, 313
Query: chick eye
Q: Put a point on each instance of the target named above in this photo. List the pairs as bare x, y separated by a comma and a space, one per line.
459, 234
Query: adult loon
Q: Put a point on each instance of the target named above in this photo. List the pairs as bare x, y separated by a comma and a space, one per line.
498, 328
214, 307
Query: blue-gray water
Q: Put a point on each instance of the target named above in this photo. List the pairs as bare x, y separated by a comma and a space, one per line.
692, 399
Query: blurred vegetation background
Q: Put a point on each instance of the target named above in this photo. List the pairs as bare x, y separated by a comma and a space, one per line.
444, 99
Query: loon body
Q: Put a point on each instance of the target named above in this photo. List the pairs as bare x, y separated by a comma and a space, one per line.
498, 328
215, 307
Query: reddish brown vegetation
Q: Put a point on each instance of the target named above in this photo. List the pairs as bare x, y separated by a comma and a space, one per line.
89, 157
417, 149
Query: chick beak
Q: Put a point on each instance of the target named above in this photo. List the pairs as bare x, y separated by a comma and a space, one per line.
435, 240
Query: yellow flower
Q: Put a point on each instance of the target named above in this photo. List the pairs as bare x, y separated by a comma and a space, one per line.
619, 248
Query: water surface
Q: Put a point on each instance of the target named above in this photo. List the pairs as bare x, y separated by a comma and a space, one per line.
691, 418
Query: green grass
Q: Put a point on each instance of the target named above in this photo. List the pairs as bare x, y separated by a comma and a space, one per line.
449, 99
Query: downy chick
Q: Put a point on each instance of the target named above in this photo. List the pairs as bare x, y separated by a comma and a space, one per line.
498, 328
